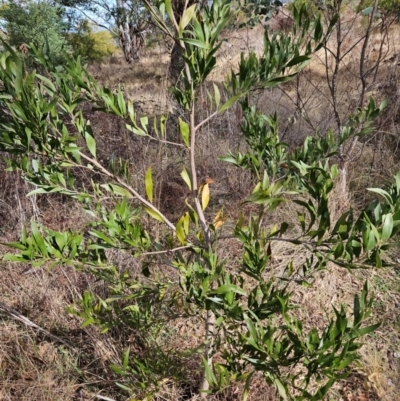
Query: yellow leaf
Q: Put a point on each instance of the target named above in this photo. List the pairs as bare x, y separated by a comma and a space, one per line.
154, 214
186, 221
205, 196
180, 232
149, 184
219, 219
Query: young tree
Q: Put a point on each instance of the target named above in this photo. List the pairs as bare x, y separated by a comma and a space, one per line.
350, 48
250, 320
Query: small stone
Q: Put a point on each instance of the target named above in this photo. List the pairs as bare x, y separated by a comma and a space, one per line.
390, 383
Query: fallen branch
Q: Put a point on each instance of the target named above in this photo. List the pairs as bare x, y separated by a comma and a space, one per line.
17, 316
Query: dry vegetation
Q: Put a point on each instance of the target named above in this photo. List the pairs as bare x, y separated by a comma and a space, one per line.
60, 360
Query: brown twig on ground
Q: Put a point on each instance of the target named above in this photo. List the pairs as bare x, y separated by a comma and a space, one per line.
17, 316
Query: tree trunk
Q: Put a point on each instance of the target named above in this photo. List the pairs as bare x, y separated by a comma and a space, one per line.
176, 65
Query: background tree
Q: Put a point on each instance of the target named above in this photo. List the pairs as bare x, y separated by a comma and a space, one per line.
41, 23
90, 43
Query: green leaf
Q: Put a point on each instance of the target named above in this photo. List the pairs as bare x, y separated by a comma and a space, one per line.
149, 184
184, 130
217, 96
230, 102
136, 130
89, 321
144, 121
382, 193
298, 60
195, 42
227, 288
281, 389
387, 227
186, 178
125, 359
211, 379
366, 330
15, 245
116, 189
168, 9
90, 141
37, 236
186, 17
246, 389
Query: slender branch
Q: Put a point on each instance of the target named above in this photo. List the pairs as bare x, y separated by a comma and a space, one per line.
180, 248
363, 51
92, 20
166, 142
206, 120
129, 188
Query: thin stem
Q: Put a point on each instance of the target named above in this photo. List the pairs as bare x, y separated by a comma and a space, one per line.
206, 120
166, 142
180, 248
363, 51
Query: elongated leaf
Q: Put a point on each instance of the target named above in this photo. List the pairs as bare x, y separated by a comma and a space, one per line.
184, 130
230, 102
168, 8
297, 60
136, 130
116, 189
246, 389
227, 288
195, 42
180, 232
90, 141
144, 121
149, 184
387, 227
217, 96
186, 178
367, 330
186, 221
15, 245
37, 236
205, 196
186, 17
382, 193
281, 389
209, 373
154, 214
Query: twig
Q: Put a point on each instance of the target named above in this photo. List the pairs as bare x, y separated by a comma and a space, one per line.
17, 316
167, 250
206, 120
